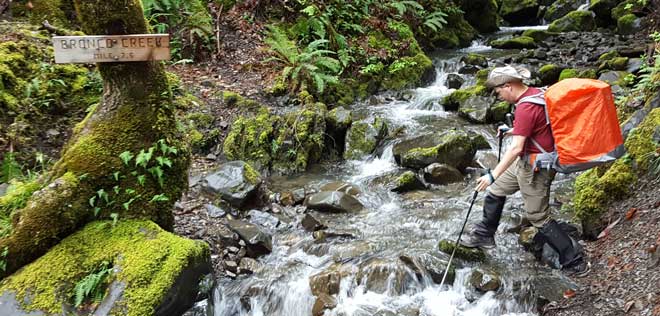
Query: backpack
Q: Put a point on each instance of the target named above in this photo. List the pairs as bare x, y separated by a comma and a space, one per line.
582, 117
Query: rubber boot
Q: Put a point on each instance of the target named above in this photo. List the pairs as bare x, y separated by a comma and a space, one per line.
482, 234
570, 253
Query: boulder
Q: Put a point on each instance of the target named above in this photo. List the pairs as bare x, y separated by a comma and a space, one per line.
338, 121
149, 272
311, 224
577, 21
603, 11
518, 12
408, 181
437, 173
481, 14
560, 8
467, 254
454, 147
475, 60
363, 137
257, 241
629, 24
341, 187
323, 302
518, 42
549, 74
476, 108
454, 81
333, 201
236, 182
384, 276
327, 281
426, 264
263, 219
485, 281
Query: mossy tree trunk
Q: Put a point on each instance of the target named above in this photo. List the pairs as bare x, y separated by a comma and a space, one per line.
90, 181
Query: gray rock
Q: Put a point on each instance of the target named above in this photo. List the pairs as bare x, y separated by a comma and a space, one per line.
263, 219
408, 181
476, 108
257, 241
634, 65
236, 182
231, 266
454, 147
323, 302
363, 137
560, 8
380, 275
214, 211
332, 201
485, 281
426, 264
454, 81
311, 224
611, 77
339, 118
437, 173
10, 306
249, 266
344, 187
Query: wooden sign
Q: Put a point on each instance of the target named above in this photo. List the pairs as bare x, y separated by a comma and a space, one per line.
111, 48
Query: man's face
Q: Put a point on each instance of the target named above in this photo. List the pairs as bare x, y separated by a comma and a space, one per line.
504, 92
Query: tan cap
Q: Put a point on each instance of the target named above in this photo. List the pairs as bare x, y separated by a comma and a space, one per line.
502, 75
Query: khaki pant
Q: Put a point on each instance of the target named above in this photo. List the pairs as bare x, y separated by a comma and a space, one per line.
534, 187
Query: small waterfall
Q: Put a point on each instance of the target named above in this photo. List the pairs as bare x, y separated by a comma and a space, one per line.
584, 6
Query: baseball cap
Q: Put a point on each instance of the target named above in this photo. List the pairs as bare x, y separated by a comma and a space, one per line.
501, 75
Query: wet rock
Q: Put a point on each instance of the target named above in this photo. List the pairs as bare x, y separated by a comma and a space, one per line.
327, 281
468, 70
408, 181
475, 60
485, 281
437, 173
257, 242
577, 21
519, 42
454, 147
231, 266
339, 118
263, 219
634, 65
323, 302
341, 187
201, 308
214, 211
629, 24
424, 264
363, 137
249, 266
311, 224
286, 199
519, 12
467, 254
476, 108
384, 276
526, 238
332, 201
454, 81
560, 8
236, 182
298, 196
321, 235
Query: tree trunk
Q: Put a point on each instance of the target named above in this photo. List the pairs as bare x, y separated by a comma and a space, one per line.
91, 181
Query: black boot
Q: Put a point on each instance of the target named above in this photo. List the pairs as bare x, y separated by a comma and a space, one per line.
570, 253
482, 234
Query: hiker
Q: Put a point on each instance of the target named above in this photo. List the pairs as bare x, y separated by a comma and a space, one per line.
514, 172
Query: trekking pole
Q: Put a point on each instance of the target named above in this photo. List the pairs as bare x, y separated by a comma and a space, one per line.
474, 197
499, 150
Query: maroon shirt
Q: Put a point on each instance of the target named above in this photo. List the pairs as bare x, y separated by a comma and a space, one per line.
530, 122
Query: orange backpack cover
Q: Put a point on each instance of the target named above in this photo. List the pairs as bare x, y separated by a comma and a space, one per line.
584, 124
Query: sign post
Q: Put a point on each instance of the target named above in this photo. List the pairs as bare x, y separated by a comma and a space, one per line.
111, 48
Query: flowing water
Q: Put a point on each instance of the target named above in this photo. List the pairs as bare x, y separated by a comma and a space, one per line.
390, 226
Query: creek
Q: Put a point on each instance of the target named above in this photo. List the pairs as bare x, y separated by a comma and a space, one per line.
392, 226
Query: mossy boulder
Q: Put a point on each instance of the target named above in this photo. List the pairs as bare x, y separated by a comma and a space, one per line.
408, 181
485, 281
235, 182
518, 42
627, 7
477, 108
628, 24
498, 111
519, 12
603, 11
363, 137
60, 13
549, 74
467, 254
578, 21
456, 33
481, 14
454, 147
409, 72
453, 101
441, 174
560, 8
538, 35
475, 60
151, 271
578, 73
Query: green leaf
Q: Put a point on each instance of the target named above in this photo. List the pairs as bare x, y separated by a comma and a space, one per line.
92, 201
163, 161
115, 218
140, 179
115, 175
126, 157
159, 198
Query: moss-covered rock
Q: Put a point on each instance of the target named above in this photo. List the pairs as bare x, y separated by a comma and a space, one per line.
408, 72
560, 8
363, 137
627, 7
498, 111
475, 60
603, 11
538, 35
408, 181
481, 14
453, 101
549, 74
467, 254
577, 73
519, 12
628, 24
640, 140
455, 148
149, 267
456, 33
578, 21
60, 13
518, 42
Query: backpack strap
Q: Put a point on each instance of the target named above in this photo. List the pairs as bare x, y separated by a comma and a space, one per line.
538, 99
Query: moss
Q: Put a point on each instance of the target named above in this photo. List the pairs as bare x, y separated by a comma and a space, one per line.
363, 137
617, 63
538, 35
457, 97
482, 14
482, 76
607, 56
251, 175
519, 42
627, 24
147, 259
594, 191
568, 73
512, 6
475, 59
498, 111
60, 13
640, 140
455, 148
250, 139
408, 178
588, 73
407, 72
467, 254
560, 8
457, 33
578, 21
549, 74
626, 7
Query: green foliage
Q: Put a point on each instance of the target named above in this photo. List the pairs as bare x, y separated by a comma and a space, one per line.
653, 159
10, 168
92, 286
310, 67
188, 21
3, 256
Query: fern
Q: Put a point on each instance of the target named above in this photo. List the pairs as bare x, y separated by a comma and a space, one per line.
10, 168
91, 286
402, 6
435, 20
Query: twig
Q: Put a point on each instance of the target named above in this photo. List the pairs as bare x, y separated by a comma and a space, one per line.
52, 29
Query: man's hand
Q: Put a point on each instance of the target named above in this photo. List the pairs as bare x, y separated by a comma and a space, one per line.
483, 182
503, 130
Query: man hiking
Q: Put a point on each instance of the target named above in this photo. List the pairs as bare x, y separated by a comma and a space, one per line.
517, 171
